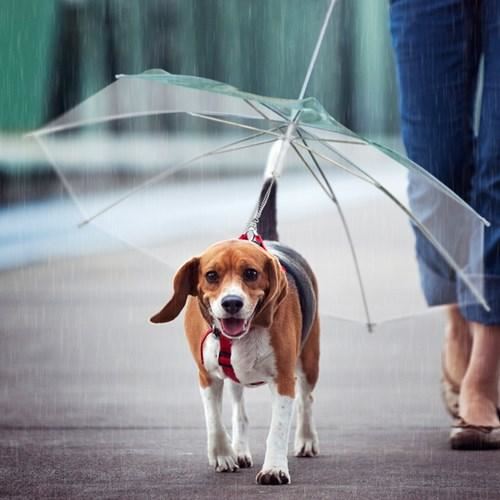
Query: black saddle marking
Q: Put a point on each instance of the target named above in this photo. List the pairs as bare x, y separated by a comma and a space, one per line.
300, 274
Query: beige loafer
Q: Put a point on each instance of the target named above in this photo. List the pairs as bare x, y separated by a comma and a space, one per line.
465, 436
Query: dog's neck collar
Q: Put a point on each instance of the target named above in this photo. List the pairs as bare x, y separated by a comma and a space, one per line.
253, 237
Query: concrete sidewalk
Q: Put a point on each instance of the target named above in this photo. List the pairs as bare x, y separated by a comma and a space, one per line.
97, 403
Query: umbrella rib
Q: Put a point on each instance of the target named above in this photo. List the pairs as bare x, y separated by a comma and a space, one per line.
92, 121
299, 132
443, 188
256, 109
421, 170
61, 176
363, 176
236, 124
232, 150
318, 139
331, 194
73, 196
338, 141
279, 113
109, 118
437, 245
415, 221
219, 150
276, 111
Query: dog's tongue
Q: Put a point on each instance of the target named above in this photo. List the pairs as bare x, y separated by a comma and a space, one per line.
233, 326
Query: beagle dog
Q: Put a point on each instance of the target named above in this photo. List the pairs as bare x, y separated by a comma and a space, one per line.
252, 318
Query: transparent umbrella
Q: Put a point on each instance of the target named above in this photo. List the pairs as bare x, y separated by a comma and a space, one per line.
184, 155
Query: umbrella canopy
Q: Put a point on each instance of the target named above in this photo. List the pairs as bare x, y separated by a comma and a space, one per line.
189, 153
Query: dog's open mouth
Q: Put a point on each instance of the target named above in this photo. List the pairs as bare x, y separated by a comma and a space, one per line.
233, 327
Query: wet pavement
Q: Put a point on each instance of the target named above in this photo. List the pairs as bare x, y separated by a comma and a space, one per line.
97, 403
370, 463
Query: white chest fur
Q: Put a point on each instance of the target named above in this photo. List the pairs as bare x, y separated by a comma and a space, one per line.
252, 357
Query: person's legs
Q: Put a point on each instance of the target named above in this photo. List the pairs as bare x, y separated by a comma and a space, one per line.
479, 390
457, 345
455, 358
437, 48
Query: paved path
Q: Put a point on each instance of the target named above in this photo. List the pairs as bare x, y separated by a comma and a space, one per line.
97, 403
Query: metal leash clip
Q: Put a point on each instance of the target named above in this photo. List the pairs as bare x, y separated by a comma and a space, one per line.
251, 232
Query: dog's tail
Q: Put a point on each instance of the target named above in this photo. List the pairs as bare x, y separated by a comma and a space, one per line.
267, 225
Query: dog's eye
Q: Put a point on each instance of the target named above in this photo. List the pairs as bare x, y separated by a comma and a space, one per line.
250, 274
212, 277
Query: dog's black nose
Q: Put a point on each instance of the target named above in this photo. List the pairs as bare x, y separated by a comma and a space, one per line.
232, 304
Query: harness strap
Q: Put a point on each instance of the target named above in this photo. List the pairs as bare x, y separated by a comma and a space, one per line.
224, 355
225, 358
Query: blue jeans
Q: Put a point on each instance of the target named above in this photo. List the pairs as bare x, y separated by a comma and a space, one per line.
438, 46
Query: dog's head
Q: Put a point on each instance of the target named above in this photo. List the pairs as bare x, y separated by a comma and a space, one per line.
237, 284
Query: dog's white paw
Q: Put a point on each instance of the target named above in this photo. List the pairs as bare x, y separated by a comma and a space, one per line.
273, 475
223, 460
221, 455
244, 459
306, 446
226, 463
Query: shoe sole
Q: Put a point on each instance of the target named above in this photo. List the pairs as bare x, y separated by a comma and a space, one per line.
471, 438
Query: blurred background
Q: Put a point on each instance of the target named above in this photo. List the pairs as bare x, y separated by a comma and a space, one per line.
56, 53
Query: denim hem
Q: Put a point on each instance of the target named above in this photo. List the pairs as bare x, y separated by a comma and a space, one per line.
438, 289
473, 311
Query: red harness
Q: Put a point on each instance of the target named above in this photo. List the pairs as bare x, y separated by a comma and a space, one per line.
224, 355
225, 343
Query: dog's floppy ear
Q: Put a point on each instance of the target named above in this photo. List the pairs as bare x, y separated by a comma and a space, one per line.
278, 288
185, 283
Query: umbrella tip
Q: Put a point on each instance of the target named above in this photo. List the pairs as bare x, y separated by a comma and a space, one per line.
371, 327
83, 223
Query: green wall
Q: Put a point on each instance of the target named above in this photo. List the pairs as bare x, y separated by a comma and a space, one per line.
25, 38
258, 45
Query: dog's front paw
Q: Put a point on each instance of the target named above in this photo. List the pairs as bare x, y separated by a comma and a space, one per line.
221, 455
273, 475
226, 463
306, 446
223, 460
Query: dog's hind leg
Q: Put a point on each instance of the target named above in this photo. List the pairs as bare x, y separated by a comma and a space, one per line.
220, 453
240, 427
306, 437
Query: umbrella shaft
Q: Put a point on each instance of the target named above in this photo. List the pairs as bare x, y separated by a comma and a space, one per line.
314, 56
